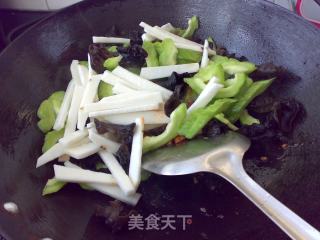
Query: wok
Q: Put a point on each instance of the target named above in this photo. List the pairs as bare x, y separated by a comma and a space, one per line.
37, 63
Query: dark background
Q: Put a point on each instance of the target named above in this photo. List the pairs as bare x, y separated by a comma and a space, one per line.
13, 23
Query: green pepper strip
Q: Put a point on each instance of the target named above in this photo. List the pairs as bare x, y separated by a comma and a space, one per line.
255, 89
233, 66
247, 119
177, 118
53, 185
233, 89
200, 117
152, 58
221, 118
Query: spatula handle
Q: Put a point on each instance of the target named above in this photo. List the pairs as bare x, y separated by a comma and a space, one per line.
286, 219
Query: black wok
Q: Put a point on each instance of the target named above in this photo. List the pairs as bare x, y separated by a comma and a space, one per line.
37, 63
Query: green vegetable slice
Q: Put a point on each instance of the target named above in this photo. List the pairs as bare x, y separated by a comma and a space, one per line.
51, 139
197, 82
217, 59
254, 90
112, 63
247, 119
233, 66
244, 88
232, 90
112, 49
197, 119
193, 25
56, 99
47, 116
53, 185
176, 120
152, 59
167, 52
104, 90
185, 56
220, 117
48, 110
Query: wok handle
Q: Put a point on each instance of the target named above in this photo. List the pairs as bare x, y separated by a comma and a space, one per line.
293, 225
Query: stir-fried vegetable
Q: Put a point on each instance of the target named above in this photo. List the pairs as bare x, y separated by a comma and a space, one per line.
104, 90
167, 52
246, 119
166, 71
53, 185
233, 67
48, 110
188, 56
211, 89
193, 25
226, 121
51, 139
232, 90
152, 59
112, 63
177, 118
200, 117
254, 90
134, 95
198, 81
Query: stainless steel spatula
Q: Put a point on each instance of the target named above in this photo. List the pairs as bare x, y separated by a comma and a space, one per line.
223, 156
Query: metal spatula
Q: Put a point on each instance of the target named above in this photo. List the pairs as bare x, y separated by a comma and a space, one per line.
223, 156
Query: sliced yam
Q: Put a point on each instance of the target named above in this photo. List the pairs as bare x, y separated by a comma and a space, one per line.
166, 71
136, 153
72, 119
89, 94
112, 79
110, 190
75, 175
83, 74
151, 98
117, 172
74, 138
91, 125
96, 39
120, 96
54, 152
129, 109
116, 193
82, 151
103, 142
136, 82
65, 105
188, 46
119, 88
168, 27
150, 117
90, 69
206, 95
162, 34
75, 72
205, 56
